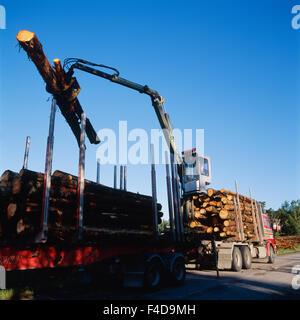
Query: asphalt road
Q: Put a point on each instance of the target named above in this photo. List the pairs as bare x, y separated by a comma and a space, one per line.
263, 281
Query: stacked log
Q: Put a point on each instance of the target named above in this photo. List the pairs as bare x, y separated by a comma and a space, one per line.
215, 213
287, 242
107, 211
5, 195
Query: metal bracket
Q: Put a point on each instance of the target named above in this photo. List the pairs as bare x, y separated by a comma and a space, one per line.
80, 187
42, 237
25, 163
154, 194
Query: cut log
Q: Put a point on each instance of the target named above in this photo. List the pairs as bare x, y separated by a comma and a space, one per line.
21, 226
220, 216
209, 230
5, 192
229, 207
226, 223
194, 224
56, 84
198, 215
210, 192
224, 200
211, 209
7, 178
104, 207
11, 210
223, 214
29, 42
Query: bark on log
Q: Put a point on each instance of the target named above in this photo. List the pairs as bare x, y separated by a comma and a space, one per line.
104, 207
7, 178
57, 84
4, 192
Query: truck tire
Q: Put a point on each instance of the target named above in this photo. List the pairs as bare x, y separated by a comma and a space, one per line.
153, 275
271, 258
236, 259
177, 273
246, 257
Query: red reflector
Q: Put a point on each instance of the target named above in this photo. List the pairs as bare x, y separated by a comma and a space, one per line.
191, 150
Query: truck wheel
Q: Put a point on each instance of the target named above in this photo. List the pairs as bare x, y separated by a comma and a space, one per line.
153, 275
178, 271
272, 255
236, 259
246, 257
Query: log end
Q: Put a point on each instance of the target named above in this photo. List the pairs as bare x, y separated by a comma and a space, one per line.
25, 36
209, 230
57, 65
223, 214
192, 224
226, 223
11, 210
210, 192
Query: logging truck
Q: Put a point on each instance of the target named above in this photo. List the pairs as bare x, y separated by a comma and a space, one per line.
191, 174
216, 227
241, 229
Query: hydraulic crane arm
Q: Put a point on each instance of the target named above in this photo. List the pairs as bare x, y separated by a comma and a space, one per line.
157, 100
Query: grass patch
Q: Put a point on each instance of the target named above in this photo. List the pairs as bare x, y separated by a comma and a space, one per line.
16, 294
7, 294
285, 251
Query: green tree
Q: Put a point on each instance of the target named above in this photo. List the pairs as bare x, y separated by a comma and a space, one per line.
263, 205
289, 215
163, 225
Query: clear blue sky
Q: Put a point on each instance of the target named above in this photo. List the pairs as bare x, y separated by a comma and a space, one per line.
229, 67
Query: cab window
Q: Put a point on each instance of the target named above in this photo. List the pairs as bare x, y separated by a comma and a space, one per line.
268, 223
204, 167
190, 170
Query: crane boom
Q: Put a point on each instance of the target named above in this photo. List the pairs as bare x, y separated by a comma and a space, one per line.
157, 100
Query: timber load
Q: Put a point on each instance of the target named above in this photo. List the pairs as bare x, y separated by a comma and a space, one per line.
225, 215
287, 242
108, 212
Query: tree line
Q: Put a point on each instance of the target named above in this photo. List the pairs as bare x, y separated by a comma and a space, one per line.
289, 216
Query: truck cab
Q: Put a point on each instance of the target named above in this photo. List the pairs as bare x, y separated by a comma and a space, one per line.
196, 172
268, 234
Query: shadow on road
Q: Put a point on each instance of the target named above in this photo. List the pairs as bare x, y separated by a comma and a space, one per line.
273, 282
